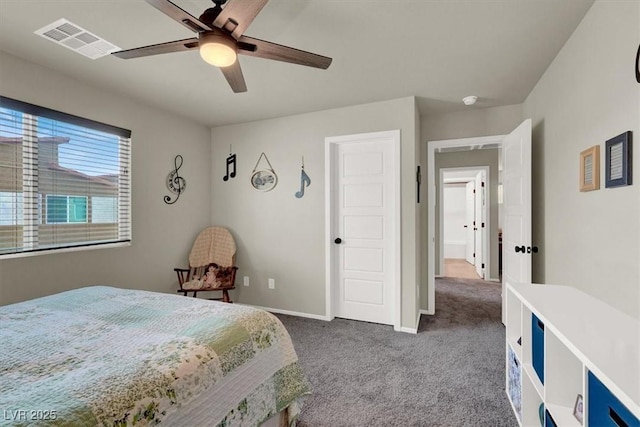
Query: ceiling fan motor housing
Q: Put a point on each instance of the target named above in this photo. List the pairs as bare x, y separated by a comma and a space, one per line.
210, 15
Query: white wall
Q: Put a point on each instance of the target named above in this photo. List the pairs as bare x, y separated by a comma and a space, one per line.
454, 209
282, 237
162, 234
587, 95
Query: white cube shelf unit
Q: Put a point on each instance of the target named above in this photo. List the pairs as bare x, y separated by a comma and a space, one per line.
563, 340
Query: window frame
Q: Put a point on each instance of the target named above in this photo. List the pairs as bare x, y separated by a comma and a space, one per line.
123, 196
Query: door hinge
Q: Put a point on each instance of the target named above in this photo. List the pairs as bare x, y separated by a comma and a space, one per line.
482, 265
474, 191
482, 184
483, 225
474, 254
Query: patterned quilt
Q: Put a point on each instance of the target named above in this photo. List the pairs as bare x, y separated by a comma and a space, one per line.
102, 356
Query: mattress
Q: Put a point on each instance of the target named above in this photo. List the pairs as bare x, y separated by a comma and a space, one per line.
113, 357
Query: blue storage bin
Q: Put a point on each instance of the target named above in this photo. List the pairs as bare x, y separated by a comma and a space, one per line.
537, 346
605, 410
548, 421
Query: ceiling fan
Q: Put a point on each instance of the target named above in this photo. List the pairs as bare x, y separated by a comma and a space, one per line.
220, 39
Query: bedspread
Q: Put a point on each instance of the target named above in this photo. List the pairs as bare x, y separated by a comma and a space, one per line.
112, 357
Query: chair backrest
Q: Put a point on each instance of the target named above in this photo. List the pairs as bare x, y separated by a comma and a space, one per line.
213, 244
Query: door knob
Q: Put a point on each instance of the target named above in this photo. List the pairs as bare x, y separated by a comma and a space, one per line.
338, 240
520, 249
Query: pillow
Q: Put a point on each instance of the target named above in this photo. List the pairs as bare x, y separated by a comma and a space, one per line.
224, 276
193, 285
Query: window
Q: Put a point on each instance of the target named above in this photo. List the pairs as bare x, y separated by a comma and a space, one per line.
10, 208
66, 209
64, 180
104, 210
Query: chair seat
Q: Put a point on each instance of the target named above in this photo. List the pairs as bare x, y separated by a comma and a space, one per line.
224, 290
221, 288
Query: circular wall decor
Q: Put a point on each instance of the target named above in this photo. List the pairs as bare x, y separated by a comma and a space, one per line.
264, 180
175, 183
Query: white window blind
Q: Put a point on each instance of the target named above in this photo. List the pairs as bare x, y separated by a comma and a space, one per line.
64, 180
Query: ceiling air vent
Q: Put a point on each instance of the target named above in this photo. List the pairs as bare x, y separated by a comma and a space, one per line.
76, 38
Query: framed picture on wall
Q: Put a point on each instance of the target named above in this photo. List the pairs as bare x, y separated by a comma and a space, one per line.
618, 161
578, 409
590, 169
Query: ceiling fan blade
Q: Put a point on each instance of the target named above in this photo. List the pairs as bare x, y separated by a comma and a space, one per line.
180, 15
238, 15
233, 74
157, 49
264, 49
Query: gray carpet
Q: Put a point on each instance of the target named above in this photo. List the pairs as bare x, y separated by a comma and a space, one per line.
450, 374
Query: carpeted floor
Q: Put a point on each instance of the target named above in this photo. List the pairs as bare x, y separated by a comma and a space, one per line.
450, 374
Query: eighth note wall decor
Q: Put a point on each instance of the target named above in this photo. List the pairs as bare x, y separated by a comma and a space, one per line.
231, 161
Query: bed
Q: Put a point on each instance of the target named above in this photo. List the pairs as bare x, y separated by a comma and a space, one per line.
105, 356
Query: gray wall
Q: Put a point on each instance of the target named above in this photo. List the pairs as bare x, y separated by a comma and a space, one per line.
162, 234
587, 95
471, 123
282, 237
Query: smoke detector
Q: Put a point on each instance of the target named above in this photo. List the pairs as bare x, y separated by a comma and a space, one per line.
469, 100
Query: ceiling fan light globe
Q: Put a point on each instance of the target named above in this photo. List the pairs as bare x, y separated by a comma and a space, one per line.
218, 50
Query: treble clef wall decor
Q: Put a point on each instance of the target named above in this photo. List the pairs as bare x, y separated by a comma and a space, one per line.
175, 183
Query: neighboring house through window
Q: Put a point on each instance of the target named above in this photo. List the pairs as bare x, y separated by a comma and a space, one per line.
64, 180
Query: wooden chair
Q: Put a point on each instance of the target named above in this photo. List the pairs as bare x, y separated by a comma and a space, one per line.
211, 264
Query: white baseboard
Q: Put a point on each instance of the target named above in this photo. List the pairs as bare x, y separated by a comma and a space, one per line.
325, 318
290, 313
427, 312
412, 330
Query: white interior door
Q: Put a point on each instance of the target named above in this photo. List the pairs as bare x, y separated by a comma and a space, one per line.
516, 232
470, 221
365, 228
479, 227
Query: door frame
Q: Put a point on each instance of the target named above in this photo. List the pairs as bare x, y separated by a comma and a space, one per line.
486, 254
432, 146
331, 254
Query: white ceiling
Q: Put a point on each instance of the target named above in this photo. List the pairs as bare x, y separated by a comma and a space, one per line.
436, 50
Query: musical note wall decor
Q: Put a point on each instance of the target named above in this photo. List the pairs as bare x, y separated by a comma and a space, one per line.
231, 161
638, 65
304, 181
175, 183
264, 179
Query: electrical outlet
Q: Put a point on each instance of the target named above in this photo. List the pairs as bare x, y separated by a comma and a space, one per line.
272, 284
246, 280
